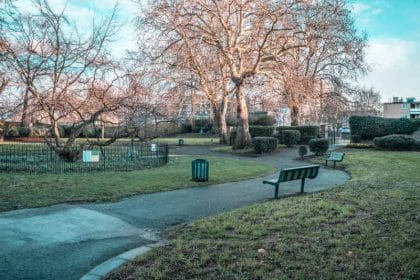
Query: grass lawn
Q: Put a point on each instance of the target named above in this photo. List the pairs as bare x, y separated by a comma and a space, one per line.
190, 139
367, 228
35, 190
247, 151
229, 150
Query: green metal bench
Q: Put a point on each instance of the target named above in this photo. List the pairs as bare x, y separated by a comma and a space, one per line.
334, 157
291, 174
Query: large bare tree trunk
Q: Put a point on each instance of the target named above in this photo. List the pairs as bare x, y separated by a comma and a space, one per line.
223, 129
219, 113
243, 137
192, 116
294, 115
25, 120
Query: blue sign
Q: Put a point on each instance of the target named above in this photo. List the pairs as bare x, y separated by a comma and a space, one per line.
90, 156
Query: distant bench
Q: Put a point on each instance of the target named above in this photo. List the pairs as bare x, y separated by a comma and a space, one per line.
334, 157
291, 174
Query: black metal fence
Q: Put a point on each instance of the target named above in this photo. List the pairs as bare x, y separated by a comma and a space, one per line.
39, 158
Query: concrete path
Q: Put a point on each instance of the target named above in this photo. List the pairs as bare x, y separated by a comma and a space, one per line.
66, 241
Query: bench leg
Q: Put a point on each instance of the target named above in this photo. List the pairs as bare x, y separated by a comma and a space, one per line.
302, 185
326, 163
276, 192
334, 164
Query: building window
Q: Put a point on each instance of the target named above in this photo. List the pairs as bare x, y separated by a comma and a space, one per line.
404, 106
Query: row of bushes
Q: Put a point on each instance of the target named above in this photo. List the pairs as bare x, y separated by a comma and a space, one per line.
265, 120
318, 146
201, 125
367, 128
43, 131
290, 137
27, 132
397, 142
162, 129
263, 145
394, 142
305, 133
261, 131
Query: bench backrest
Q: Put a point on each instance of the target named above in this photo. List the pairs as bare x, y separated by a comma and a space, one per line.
291, 174
336, 156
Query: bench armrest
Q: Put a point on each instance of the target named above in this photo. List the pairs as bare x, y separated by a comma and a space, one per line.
270, 182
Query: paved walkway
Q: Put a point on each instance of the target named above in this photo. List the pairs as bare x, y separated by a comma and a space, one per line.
66, 241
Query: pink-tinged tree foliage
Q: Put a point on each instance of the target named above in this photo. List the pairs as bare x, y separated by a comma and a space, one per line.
299, 43
66, 76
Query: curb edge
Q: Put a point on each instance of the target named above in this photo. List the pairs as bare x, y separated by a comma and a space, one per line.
110, 265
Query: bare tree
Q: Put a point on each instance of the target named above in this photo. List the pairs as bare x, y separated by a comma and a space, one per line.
334, 54
247, 37
335, 108
66, 76
148, 107
190, 68
307, 45
366, 101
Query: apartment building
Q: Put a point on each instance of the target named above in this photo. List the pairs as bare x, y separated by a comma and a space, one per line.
402, 108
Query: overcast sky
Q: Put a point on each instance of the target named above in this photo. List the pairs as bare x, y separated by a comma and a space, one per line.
393, 28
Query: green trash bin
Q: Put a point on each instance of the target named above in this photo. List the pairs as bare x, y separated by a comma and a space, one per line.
200, 170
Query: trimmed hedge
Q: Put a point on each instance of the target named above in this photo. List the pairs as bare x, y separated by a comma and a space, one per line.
345, 135
396, 142
200, 124
204, 125
65, 130
12, 132
355, 138
263, 121
303, 151
291, 137
264, 144
91, 132
367, 128
318, 146
259, 130
307, 132
24, 131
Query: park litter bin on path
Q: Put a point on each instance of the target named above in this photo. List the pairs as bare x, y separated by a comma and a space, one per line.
200, 170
